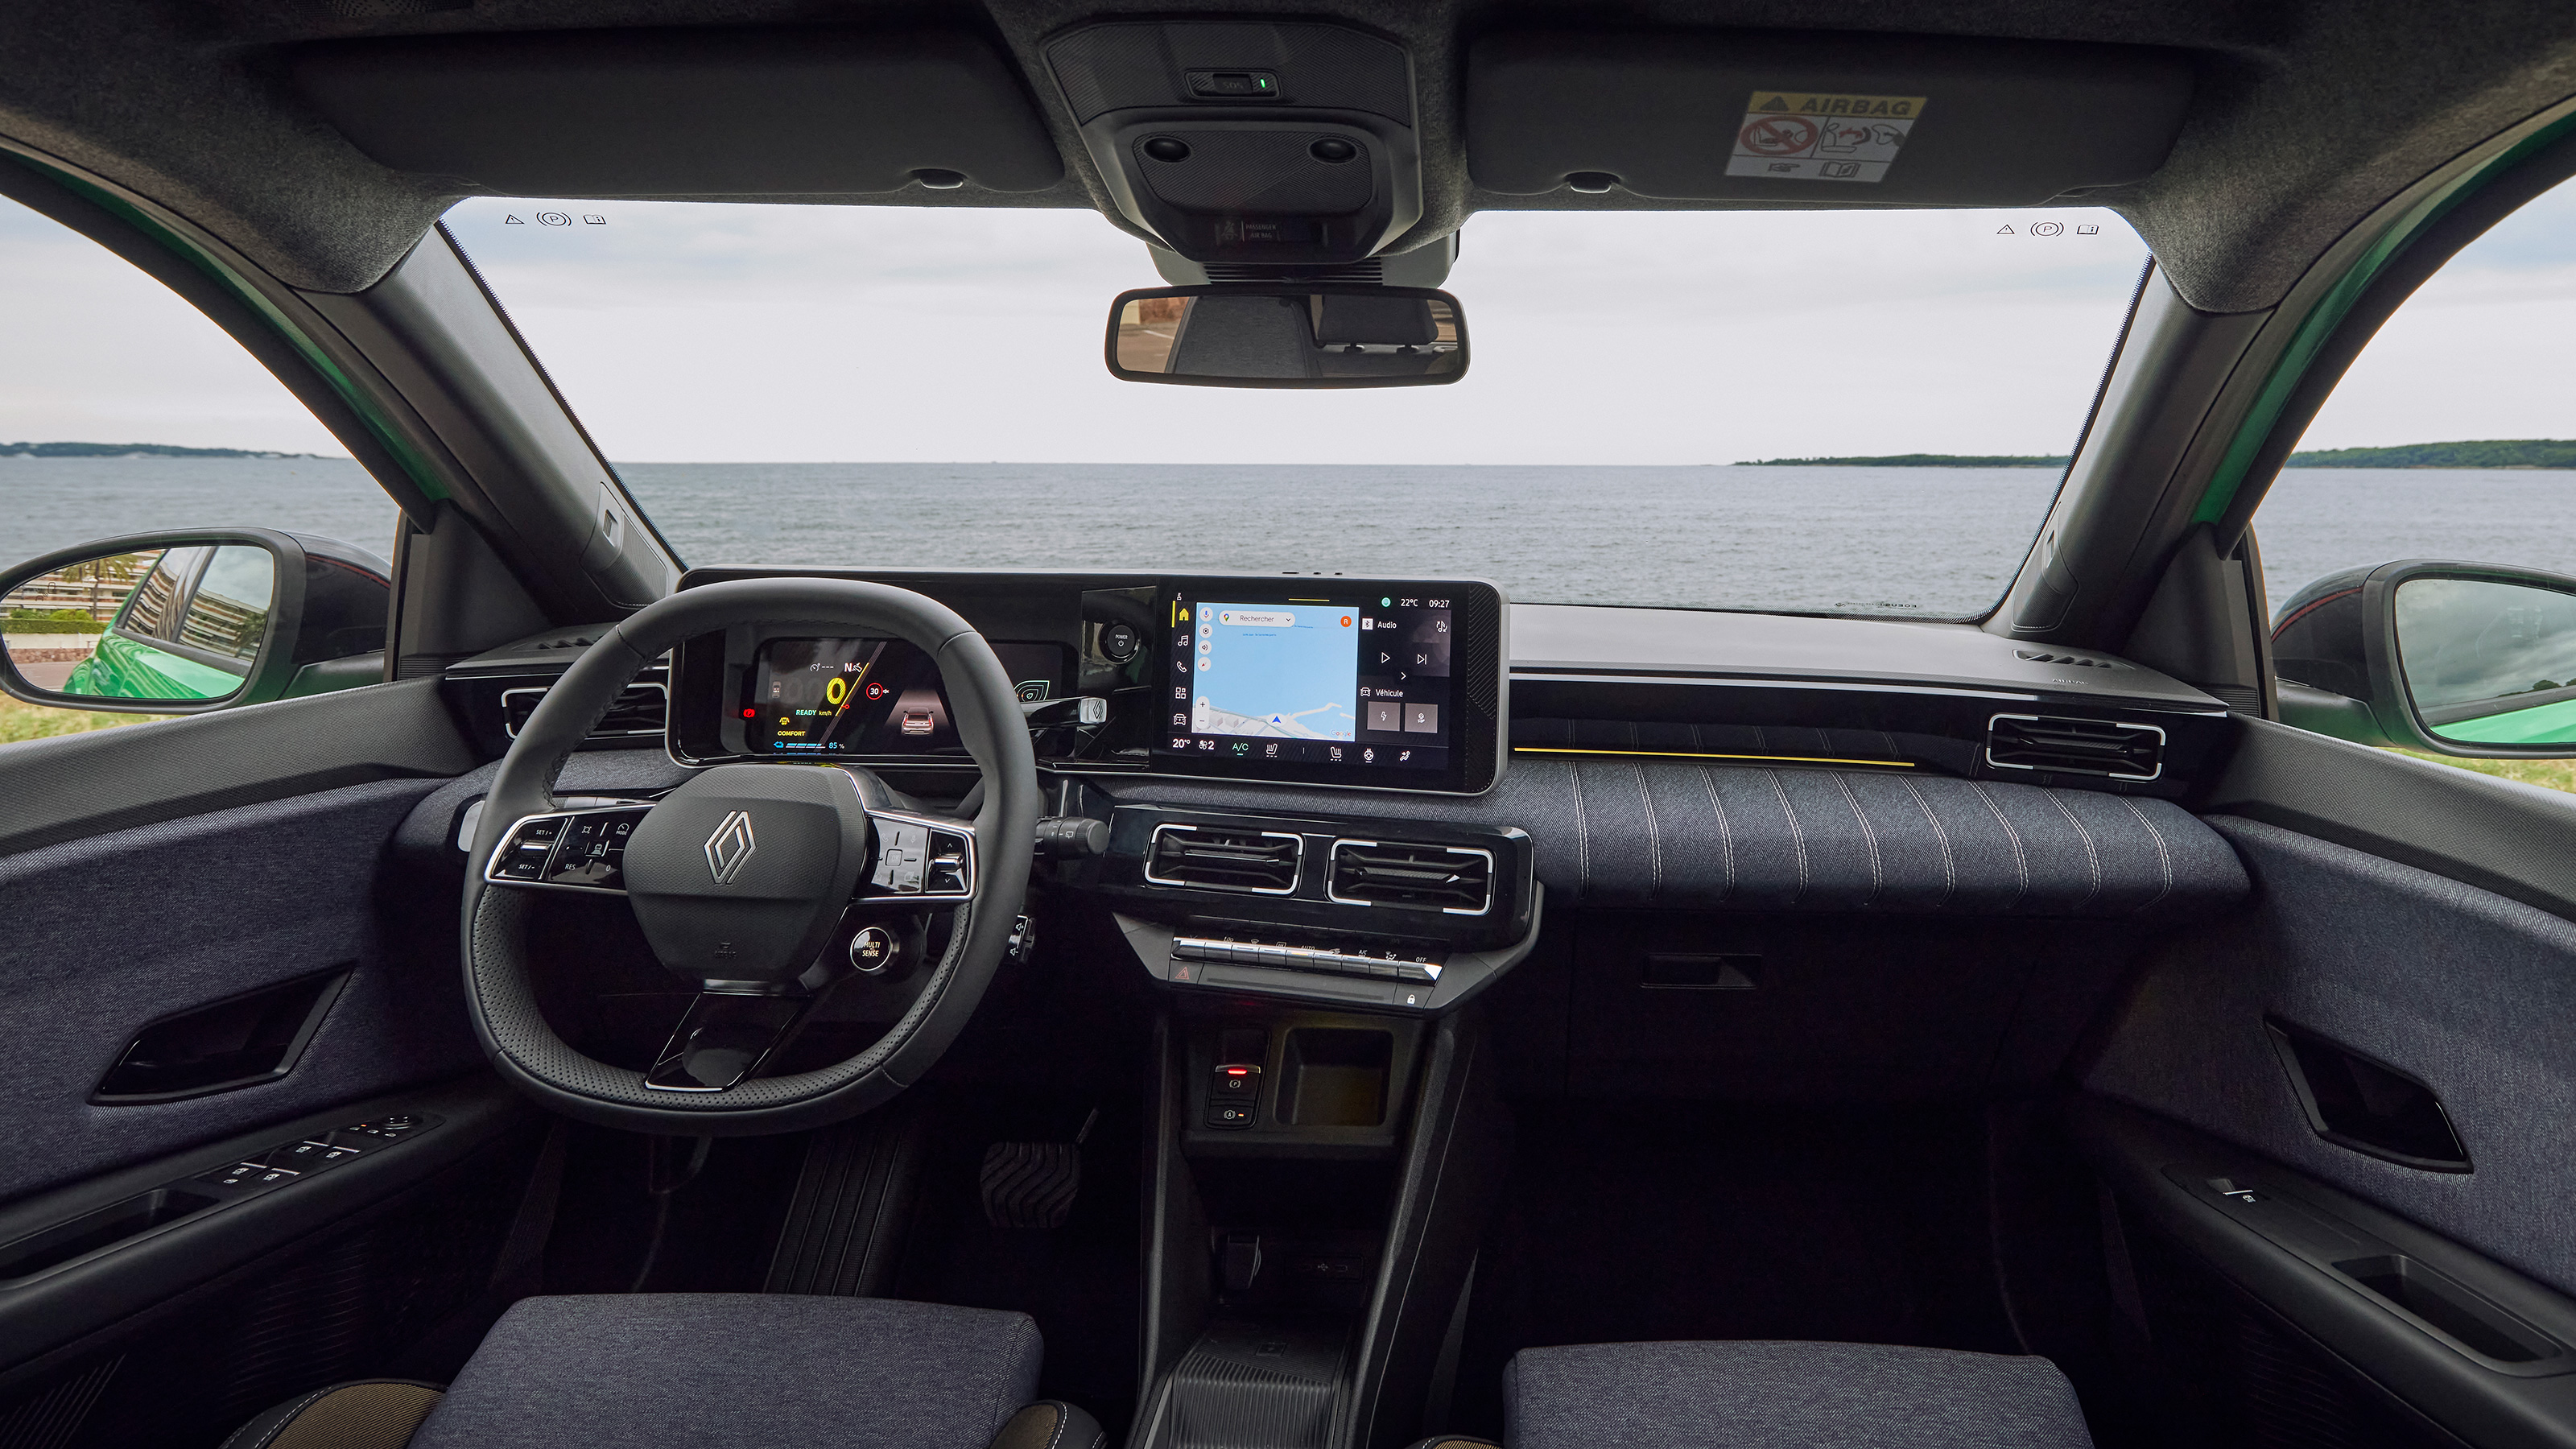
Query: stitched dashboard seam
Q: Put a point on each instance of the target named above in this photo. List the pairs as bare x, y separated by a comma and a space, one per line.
2092, 857
1654, 838
1949, 864
1725, 835
2164, 858
1582, 837
1869, 837
2021, 858
1797, 835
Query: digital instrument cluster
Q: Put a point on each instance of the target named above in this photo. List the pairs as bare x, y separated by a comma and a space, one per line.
806, 697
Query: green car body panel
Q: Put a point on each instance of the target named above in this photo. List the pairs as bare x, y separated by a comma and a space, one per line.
128, 668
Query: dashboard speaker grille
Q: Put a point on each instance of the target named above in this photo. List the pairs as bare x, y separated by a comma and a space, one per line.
1479, 624
1425, 877
2067, 746
1208, 857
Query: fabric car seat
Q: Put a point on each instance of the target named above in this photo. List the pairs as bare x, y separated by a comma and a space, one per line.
1753, 1395
709, 1370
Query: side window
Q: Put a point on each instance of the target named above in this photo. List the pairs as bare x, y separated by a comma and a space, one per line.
124, 410
2452, 439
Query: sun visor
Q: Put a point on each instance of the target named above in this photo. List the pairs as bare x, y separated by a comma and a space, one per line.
1825, 120
688, 112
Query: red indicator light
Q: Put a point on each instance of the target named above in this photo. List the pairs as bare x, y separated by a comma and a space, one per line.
1238, 1071
751, 714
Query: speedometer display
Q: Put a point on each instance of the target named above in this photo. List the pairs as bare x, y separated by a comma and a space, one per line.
869, 696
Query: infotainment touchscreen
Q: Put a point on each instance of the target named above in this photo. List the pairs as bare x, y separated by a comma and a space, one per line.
1332, 682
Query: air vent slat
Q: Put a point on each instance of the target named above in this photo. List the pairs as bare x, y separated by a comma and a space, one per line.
1424, 877
1208, 857
2068, 746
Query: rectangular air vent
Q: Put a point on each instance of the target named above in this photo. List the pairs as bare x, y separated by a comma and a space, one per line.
1446, 878
2075, 746
1222, 858
638, 711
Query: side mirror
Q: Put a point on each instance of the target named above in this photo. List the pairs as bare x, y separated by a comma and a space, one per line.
1288, 334
2465, 659
183, 623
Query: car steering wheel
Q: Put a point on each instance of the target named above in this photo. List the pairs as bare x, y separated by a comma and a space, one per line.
741, 877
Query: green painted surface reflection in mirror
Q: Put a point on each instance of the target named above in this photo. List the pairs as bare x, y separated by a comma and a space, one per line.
181, 624
2490, 663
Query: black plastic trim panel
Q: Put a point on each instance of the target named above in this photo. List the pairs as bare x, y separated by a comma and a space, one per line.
2495, 834
103, 780
2264, 1230
61, 1304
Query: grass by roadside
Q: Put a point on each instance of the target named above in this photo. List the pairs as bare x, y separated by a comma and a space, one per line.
2548, 774
34, 722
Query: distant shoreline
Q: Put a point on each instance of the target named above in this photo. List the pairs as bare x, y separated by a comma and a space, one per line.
2532, 453
133, 450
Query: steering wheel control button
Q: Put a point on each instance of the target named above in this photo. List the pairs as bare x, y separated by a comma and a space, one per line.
902, 853
873, 949
918, 858
593, 849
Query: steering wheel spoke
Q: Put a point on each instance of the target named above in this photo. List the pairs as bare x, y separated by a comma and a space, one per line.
568, 850
724, 1038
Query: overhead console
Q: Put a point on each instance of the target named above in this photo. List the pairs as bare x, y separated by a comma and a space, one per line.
1256, 144
1388, 684
1840, 120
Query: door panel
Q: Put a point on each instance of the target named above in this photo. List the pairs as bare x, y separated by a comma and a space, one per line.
2330, 1322
110, 933
2458, 987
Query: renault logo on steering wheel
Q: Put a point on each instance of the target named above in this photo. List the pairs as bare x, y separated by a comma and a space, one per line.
730, 846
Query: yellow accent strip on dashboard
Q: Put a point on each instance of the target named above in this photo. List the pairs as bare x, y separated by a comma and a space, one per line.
1702, 755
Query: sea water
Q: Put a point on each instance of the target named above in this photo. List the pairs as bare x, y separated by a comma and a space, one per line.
1928, 542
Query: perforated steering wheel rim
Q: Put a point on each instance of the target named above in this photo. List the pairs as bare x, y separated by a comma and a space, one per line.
500, 989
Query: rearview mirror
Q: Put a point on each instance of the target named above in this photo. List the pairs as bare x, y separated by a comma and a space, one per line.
181, 623
1288, 334
2451, 658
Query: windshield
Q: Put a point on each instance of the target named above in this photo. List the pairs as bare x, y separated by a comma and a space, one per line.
1846, 412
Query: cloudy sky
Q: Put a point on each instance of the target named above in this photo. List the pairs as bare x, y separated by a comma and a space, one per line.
746, 333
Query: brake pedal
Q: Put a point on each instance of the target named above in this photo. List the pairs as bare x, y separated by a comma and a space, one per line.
1033, 1184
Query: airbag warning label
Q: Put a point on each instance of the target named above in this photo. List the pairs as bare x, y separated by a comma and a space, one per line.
1801, 136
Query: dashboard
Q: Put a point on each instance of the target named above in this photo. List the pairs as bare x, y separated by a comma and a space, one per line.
1293, 786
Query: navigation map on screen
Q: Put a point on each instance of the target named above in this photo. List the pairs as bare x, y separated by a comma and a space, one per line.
1276, 671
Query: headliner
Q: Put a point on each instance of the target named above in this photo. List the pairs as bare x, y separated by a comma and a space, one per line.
2306, 117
